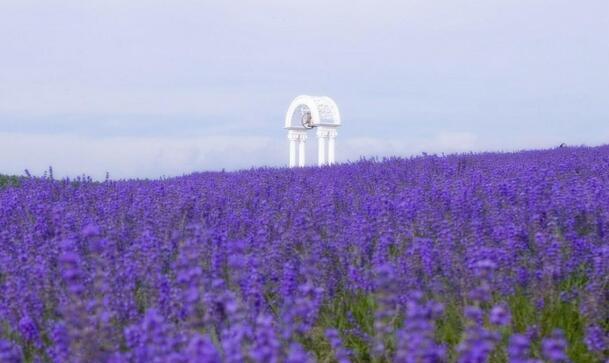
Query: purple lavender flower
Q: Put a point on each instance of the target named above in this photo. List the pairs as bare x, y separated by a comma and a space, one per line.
481, 293
477, 346
289, 282
532, 333
296, 354
387, 300
300, 316
554, 347
150, 339
500, 315
485, 268
596, 339
29, 331
71, 268
266, 347
519, 349
255, 264
10, 352
478, 342
341, 354
90, 230
474, 314
415, 341
201, 349
60, 351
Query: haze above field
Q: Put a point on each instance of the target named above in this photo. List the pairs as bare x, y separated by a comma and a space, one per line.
150, 88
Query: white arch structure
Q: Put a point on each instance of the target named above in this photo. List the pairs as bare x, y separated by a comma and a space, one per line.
320, 113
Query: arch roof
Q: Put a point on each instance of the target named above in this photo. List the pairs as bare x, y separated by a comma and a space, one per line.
324, 111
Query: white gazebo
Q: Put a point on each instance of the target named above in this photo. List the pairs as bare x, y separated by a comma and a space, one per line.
308, 112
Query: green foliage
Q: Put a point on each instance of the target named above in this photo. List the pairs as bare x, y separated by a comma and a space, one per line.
8, 180
355, 313
449, 328
566, 316
350, 313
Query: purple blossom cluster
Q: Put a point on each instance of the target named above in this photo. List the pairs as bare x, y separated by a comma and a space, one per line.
366, 261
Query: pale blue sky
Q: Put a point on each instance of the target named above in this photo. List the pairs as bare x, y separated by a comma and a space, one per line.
150, 88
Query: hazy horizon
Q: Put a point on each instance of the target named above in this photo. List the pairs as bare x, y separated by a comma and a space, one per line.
144, 89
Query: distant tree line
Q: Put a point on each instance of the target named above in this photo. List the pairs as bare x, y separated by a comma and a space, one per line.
8, 180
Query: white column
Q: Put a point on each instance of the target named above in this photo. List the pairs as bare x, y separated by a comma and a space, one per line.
293, 137
321, 150
297, 139
292, 153
331, 146
301, 149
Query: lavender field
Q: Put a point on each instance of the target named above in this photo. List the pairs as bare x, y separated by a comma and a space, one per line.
464, 258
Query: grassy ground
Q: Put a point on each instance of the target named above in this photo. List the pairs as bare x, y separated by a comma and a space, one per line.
450, 328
